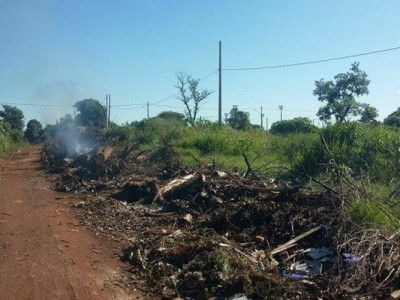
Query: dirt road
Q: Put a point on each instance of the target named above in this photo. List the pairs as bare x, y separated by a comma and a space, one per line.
44, 253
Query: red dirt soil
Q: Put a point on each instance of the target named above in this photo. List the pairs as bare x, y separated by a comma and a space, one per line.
44, 253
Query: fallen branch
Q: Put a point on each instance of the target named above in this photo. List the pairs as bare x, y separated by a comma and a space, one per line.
176, 184
281, 190
249, 169
254, 261
291, 243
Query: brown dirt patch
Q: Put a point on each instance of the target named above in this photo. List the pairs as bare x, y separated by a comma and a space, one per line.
44, 252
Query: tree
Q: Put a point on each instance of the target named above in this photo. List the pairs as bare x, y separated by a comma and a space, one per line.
63, 127
368, 113
34, 131
295, 125
171, 115
190, 95
91, 114
238, 119
14, 116
341, 94
393, 119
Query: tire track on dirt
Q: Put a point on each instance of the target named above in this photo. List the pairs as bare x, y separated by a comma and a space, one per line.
44, 254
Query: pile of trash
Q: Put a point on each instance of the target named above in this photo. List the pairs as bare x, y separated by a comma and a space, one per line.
212, 234
208, 234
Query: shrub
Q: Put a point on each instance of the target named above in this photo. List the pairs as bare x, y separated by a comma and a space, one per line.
296, 125
362, 150
116, 135
158, 131
10, 139
225, 141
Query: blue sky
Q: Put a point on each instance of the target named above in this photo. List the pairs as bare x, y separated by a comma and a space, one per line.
59, 52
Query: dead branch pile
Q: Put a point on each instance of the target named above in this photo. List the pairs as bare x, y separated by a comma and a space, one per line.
204, 233
209, 233
376, 268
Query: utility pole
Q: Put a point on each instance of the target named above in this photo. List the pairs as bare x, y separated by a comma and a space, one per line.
148, 110
266, 121
226, 117
109, 108
262, 116
107, 111
281, 108
220, 89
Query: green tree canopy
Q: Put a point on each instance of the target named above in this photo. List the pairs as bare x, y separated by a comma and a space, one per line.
14, 116
393, 119
171, 115
340, 95
238, 119
295, 125
33, 131
368, 113
91, 114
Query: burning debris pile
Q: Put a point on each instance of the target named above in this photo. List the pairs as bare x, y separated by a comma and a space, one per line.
207, 234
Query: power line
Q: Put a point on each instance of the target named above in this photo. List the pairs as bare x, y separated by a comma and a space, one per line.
128, 108
205, 77
36, 104
177, 94
168, 106
312, 61
127, 105
162, 100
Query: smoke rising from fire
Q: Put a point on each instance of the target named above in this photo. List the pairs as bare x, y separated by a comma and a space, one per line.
59, 98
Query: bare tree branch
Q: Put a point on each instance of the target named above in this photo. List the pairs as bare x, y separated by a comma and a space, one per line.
190, 95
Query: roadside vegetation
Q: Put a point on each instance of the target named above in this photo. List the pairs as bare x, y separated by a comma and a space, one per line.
11, 134
10, 139
354, 159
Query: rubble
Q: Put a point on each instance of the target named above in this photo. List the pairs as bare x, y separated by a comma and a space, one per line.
208, 234
223, 228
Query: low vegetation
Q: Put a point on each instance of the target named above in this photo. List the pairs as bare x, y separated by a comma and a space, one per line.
345, 154
10, 139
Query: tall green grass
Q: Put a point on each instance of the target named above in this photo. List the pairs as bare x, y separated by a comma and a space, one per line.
357, 149
226, 147
10, 139
368, 155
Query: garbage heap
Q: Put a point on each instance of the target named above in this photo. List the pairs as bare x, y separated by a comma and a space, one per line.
207, 234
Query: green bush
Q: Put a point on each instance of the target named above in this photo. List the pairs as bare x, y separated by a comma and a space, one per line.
296, 125
359, 149
207, 141
157, 131
227, 141
116, 135
371, 214
10, 139
296, 149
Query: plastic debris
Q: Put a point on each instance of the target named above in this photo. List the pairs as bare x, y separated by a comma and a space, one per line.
351, 258
240, 297
308, 267
294, 275
318, 253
